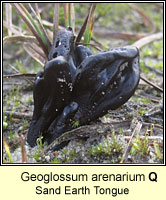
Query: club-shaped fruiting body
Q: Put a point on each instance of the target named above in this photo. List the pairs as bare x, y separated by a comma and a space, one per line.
79, 86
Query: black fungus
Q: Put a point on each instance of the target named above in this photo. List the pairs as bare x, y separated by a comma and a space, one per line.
78, 86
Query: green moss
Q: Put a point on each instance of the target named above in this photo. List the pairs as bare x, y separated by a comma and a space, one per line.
68, 155
55, 161
134, 98
158, 48
5, 124
75, 124
142, 111
107, 147
14, 97
107, 116
37, 156
140, 147
144, 100
12, 135
144, 69
152, 51
121, 131
158, 153
116, 144
96, 150
18, 65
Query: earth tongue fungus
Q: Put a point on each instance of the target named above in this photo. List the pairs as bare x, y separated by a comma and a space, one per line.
79, 86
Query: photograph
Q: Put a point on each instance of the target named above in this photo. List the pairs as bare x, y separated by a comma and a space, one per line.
83, 83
